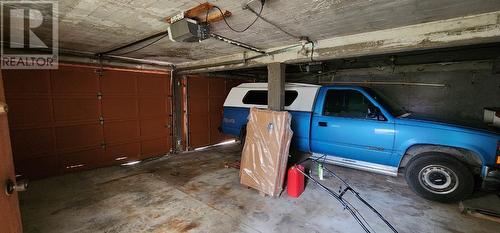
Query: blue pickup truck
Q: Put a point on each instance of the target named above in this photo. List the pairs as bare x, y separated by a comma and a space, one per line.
356, 127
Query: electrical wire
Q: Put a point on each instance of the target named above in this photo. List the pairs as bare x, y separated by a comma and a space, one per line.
246, 28
134, 43
282, 30
273, 24
143, 47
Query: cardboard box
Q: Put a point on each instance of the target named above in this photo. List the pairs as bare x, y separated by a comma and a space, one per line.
265, 153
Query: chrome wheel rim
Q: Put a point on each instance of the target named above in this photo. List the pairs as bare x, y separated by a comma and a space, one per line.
438, 179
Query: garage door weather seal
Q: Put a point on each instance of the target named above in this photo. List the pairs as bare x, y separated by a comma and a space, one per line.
339, 197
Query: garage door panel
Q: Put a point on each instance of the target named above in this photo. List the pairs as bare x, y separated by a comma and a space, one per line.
217, 104
199, 124
81, 160
118, 82
26, 82
152, 84
154, 127
217, 87
78, 136
61, 110
36, 168
151, 107
122, 153
74, 80
198, 106
31, 143
119, 107
121, 131
155, 147
215, 119
215, 123
205, 108
152, 113
197, 87
199, 139
216, 136
216, 111
30, 111
76, 108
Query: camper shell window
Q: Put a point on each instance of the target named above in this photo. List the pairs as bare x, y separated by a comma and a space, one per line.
259, 97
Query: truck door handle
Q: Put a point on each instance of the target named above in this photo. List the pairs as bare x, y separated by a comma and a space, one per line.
322, 124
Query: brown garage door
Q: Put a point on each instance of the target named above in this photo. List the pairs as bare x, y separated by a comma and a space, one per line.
75, 118
136, 114
205, 100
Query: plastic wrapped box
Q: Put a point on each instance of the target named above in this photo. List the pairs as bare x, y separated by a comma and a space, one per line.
265, 153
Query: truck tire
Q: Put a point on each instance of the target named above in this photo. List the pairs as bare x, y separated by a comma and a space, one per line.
439, 177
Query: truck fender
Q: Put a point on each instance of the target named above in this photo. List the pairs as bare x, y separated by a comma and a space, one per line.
465, 155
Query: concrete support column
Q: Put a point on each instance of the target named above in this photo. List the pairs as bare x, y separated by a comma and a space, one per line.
276, 86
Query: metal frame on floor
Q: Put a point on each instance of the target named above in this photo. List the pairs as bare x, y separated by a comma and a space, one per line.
340, 196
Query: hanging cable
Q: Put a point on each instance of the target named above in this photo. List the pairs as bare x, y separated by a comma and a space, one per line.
282, 30
262, 2
143, 47
160, 34
271, 23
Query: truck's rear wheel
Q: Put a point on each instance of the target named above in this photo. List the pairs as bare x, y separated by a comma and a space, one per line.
440, 178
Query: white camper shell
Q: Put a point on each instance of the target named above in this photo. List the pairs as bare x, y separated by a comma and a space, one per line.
304, 101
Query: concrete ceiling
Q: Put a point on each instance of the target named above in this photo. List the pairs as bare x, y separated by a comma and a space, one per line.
99, 25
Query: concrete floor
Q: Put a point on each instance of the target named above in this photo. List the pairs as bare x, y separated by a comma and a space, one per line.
194, 193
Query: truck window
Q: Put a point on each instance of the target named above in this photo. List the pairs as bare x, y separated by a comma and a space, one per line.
346, 103
393, 108
259, 97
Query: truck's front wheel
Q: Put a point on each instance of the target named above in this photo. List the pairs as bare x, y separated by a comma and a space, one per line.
439, 177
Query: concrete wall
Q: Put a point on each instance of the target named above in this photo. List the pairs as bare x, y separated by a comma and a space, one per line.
470, 86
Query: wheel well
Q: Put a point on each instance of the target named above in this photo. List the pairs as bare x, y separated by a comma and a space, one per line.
466, 156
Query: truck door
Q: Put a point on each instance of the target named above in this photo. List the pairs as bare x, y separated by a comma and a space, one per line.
345, 124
